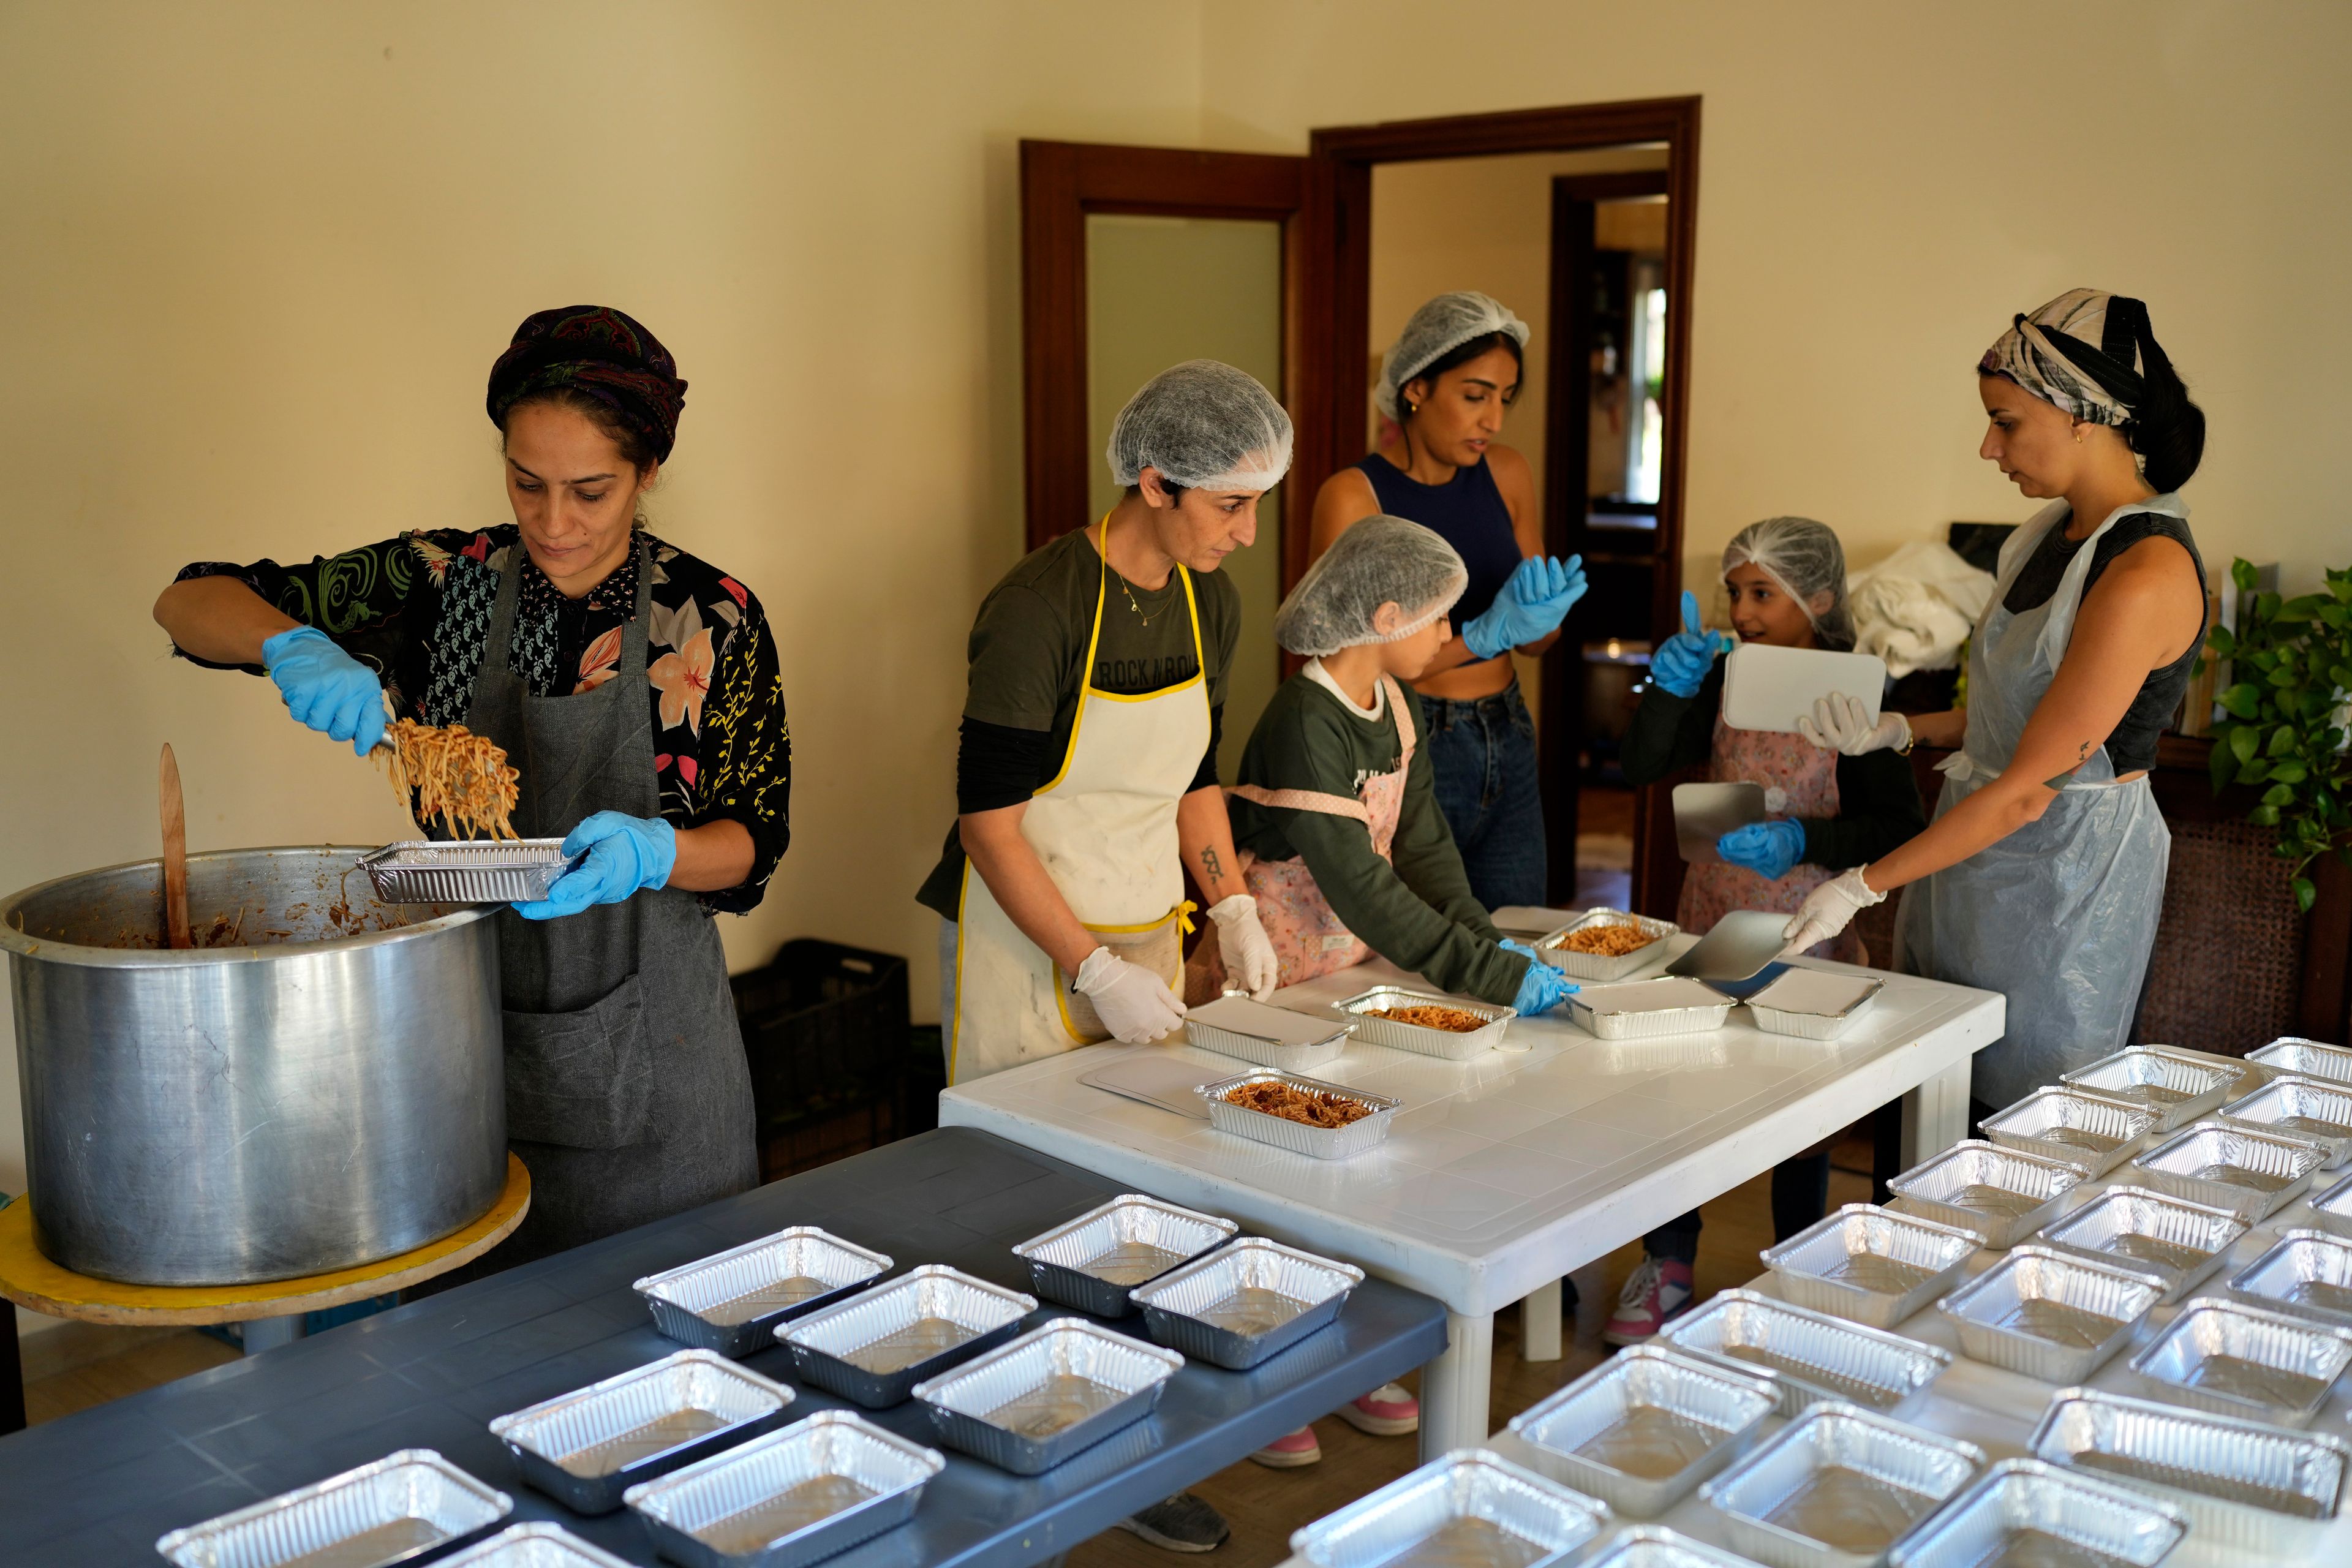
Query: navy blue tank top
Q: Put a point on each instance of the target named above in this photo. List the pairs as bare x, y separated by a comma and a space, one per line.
1467, 510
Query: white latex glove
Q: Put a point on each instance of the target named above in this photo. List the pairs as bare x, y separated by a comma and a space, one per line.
1840, 723
1242, 944
1829, 910
1136, 1004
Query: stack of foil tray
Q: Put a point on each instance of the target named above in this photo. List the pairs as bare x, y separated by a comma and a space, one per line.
2243, 1486
1030, 1404
1093, 1261
731, 1302
586, 1447
400, 1507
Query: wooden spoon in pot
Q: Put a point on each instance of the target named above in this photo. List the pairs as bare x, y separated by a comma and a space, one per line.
175, 854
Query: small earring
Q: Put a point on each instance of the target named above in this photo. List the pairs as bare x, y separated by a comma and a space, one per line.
2078, 435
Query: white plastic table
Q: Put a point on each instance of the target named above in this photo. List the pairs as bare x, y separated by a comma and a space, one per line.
1503, 1173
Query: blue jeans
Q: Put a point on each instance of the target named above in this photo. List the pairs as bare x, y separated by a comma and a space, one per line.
1484, 753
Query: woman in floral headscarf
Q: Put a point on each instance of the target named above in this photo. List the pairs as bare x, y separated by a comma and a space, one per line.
636, 687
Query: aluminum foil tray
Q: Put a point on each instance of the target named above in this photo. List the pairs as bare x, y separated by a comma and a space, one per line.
873, 1349
2244, 1486
2305, 1059
2245, 1076
537, 1544
1871, 1264
1030, 1404
2305, 1272
1837, 1487
2139, 1229
1234, 1026
1642, 1430
585, 1448
1092, 1262
1649, 1009
1362, 1010
1470, 1509
2175, 1089
2066, 1124
818, 1487
1813, 1004
1315, 1143
392, 1510
2331, 1211
731, 1302
1809, 1355
1593, 966
1656, 1546
2000, 1194
2053, 1315
1243, 1303
466, 871
2309, 1108
2252, 1174
2026, 1511
2237, 1360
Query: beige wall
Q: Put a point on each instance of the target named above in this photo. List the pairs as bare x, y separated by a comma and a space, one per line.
259, 257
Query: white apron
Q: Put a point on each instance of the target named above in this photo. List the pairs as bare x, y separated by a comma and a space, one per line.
2061, 915
1105, 830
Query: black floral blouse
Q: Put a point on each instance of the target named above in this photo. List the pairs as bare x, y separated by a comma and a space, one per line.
417, 608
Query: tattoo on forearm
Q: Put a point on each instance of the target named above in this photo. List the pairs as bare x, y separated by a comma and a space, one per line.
2080, 758
1211, 865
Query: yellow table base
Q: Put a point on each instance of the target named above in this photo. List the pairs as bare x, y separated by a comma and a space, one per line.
31, 1279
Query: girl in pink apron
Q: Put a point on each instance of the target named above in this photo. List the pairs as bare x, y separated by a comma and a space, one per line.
1337, 825
1825, 813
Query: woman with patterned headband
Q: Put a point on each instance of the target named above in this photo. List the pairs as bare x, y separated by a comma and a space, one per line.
636, 690
2043, 872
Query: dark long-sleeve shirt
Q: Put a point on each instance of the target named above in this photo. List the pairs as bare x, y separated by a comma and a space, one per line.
1878, 800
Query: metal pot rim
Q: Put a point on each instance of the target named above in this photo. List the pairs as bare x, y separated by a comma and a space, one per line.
15, 941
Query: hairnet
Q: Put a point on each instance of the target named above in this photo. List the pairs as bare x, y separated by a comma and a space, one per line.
1204, 425
1437, 330
1381, 560
1803, 558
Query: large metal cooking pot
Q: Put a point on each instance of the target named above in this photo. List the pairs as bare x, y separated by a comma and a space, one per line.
319, 1084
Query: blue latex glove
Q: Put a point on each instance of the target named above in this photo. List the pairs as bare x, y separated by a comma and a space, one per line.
1522, 949
1767, 848
326, 688
1542, 988
1532, 601
624, 853
1682, 661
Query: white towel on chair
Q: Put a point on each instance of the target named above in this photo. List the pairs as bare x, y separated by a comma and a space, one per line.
1915, 608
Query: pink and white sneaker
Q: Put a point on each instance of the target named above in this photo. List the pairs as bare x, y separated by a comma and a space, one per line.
1387, 1411
1655, 1293
1290, 1451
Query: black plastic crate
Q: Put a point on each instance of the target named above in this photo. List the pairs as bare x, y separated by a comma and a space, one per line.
825, 1029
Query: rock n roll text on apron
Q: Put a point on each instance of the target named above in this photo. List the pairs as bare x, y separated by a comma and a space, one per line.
627, 1094
1105, 830
1308, 938
1802, 777
2061, 915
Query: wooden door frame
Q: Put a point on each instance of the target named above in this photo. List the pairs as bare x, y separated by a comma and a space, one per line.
1060, 184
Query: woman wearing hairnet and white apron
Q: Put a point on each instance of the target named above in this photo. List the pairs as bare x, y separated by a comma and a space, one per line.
2042, 873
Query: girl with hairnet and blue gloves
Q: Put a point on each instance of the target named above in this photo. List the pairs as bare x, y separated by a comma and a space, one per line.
1828, 812
1337, 820
1445, 387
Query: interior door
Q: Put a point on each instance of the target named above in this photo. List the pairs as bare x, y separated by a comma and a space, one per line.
1135, 258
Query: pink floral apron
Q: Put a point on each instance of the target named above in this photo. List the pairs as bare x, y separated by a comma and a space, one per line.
1308, 938
1799, 779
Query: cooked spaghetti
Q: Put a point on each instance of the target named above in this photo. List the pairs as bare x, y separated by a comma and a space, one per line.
1313, 1107
1453, 1020
1611, 939
454, 775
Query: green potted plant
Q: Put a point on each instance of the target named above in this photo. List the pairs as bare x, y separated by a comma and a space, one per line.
2285, 723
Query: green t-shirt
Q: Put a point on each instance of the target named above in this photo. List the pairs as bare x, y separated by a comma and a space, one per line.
1414, 909
1028, 651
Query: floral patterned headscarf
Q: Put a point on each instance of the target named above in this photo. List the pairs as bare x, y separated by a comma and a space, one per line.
602, 352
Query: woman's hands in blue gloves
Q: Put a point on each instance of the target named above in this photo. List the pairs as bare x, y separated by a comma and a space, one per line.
1771, 849
1543, 987
326, 688
1533, 601
1682, 661
624, 855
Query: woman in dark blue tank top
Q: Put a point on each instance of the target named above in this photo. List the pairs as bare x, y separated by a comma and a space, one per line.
1444, 388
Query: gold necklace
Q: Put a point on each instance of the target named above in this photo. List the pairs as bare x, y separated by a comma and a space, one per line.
1133, 603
